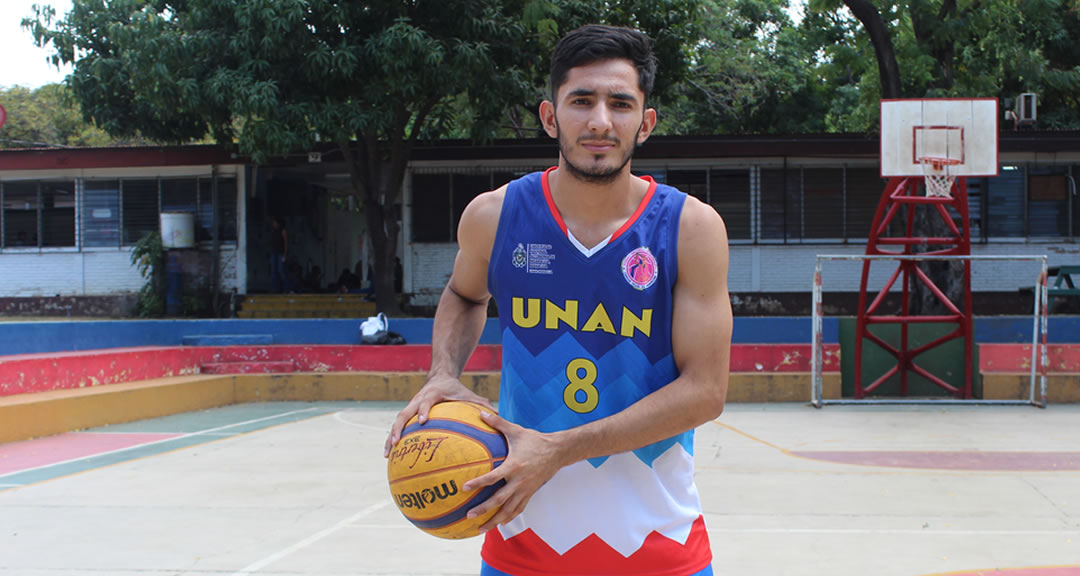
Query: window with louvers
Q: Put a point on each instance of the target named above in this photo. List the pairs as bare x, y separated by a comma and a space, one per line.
101, 213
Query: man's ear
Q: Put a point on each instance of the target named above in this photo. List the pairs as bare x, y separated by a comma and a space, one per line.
648, 123
547, 118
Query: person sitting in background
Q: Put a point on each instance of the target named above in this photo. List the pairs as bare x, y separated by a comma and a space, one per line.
347, 281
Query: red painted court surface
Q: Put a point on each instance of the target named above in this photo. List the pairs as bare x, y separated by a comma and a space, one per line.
31, 454
1035, 571
954, 460
299, 489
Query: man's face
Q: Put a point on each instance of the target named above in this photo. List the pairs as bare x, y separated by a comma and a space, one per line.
599, 116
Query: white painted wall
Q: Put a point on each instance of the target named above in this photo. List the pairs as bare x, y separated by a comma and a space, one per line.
790, 268
89, 273
103, 271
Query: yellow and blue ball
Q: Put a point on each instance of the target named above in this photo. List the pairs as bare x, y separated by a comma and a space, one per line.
431, 462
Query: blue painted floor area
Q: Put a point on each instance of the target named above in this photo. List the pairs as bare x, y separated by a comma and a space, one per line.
171, 433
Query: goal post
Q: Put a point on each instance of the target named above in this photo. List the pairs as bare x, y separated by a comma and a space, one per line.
1039, 353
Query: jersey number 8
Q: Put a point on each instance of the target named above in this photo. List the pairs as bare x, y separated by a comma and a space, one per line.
581, 373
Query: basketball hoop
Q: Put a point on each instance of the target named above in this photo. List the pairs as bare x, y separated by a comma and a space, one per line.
938, 180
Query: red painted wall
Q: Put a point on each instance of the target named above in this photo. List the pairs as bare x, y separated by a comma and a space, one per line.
1063, 358
27, 373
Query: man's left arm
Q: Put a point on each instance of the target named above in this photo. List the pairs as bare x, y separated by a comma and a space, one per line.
701, 342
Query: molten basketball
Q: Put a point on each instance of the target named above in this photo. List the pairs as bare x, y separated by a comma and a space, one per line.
431, 462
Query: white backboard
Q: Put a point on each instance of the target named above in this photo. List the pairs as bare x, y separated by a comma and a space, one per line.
961, 133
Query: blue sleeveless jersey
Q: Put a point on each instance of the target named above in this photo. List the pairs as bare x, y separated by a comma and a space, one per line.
584, 337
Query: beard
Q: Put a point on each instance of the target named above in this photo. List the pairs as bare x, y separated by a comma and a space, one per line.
596, 174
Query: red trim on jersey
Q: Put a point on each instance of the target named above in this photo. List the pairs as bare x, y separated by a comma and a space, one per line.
641, 208
551, 201
527, 555
626, 225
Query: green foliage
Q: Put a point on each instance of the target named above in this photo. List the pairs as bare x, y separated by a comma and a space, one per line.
148, 257
753, 71
961, 49
273, 77
46, 116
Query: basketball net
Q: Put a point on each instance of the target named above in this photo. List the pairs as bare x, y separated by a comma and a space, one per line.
938, 180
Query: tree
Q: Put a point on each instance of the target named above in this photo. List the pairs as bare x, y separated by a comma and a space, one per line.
966, 49
961, 48
46, 116
272, 77
753, 71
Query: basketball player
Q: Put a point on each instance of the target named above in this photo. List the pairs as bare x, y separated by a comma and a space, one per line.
616, 331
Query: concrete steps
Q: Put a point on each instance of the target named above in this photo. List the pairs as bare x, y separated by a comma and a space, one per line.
306, 306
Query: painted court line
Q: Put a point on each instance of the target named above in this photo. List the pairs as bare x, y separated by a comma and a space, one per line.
341, 418
255, 567
162, 441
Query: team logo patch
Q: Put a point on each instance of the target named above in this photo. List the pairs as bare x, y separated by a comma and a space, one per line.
519, 256
639, 268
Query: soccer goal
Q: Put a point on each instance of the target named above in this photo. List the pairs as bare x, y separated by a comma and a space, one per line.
842, 271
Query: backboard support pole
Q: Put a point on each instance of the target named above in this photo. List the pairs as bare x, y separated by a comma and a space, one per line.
900, 198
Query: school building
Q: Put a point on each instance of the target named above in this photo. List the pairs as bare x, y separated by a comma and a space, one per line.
69, 218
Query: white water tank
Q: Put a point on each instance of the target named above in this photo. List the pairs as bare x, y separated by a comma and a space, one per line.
178, 229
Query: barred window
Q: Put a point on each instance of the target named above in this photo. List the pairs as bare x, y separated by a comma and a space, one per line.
38, 214
463, 188
439, 198
863, 189
729, 194
431, 215
20, 214
140, 209
58, 214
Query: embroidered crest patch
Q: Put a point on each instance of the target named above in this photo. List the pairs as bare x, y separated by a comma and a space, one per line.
639, 268
519, 256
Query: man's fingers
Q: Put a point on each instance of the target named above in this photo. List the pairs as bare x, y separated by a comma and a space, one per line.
495, 501
399, 425
486, 402
509, 510
424, 409
484, 480
494, 420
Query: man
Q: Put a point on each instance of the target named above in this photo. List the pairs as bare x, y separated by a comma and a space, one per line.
616, 327
279, 255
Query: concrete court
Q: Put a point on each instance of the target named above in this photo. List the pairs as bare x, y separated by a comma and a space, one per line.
291, 489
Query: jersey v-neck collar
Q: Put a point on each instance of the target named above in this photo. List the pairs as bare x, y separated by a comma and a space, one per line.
610, 239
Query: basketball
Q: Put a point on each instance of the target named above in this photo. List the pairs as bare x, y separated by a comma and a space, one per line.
430, 463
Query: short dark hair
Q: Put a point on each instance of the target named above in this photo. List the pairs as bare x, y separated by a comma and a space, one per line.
596, 42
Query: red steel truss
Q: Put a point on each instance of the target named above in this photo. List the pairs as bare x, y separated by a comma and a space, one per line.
899, 200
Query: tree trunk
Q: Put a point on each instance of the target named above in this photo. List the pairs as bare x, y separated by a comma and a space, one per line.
888, 70
378, 175
946, 275
367, 172
384, 244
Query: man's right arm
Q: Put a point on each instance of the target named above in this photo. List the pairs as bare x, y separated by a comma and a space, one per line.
461, 314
